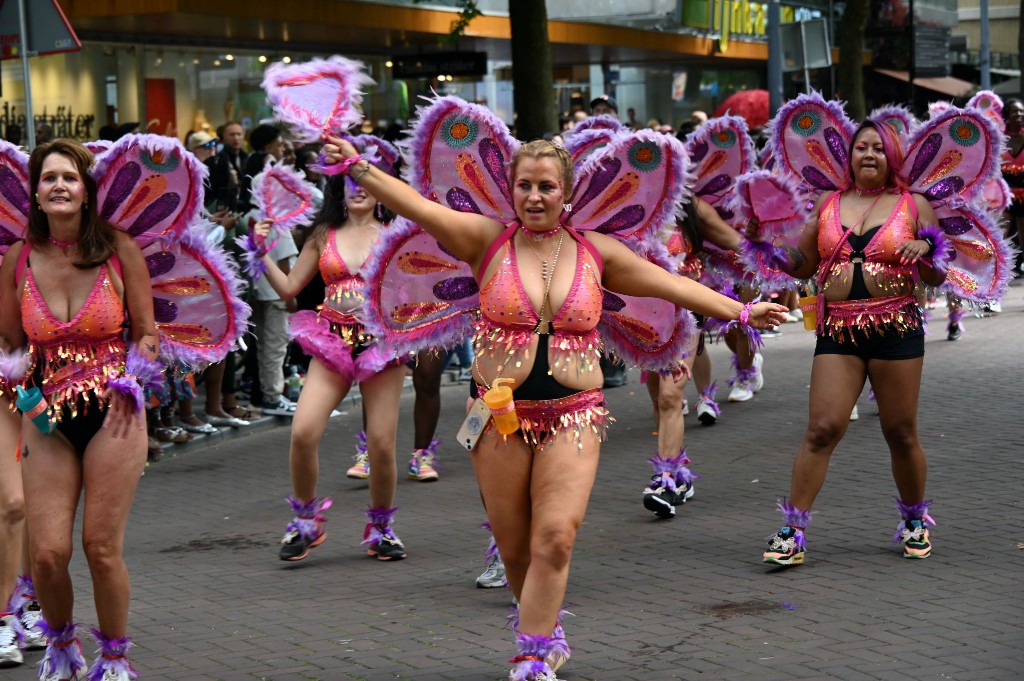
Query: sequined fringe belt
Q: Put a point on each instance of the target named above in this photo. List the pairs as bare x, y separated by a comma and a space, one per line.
541, 420
899, 314
71, 370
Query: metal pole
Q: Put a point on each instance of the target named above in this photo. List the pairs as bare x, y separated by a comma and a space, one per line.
803, 53
985, 58
912, 66
774, 58
30, 123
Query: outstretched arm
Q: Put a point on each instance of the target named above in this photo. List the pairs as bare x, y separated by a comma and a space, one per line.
626, 272
713, 228
465, 235
290, 284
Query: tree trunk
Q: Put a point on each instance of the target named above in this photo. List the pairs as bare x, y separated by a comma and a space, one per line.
533, 95
850, 72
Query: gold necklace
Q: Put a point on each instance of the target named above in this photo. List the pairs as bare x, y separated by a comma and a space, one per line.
544, 326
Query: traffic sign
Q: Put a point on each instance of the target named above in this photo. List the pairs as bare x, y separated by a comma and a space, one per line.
48, 29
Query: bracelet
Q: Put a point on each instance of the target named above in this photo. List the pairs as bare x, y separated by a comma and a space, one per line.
931, 244
356, 177
745, 313
346, 163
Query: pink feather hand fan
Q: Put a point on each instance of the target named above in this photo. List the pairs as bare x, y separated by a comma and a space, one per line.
283, 196
318, 96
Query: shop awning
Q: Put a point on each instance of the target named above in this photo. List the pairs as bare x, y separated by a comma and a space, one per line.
946, 85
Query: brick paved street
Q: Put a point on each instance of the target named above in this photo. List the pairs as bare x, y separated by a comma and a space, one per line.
685, 598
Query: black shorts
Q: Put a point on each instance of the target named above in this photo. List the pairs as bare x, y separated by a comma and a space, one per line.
874, 345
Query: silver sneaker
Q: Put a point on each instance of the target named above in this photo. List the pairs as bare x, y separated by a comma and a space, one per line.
493, 576
10, 654
33, 637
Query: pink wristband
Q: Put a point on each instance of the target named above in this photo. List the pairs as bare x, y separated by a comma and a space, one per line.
745, 313
345, 164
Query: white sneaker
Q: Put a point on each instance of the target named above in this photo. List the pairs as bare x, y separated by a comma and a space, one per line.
493, 576
798, 313
993, 306
741, 392
759, 379
790, 318
33, 637
706, 413
854, 415
686, 408
10, 655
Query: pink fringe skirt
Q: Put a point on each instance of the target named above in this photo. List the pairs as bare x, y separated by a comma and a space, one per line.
330, 343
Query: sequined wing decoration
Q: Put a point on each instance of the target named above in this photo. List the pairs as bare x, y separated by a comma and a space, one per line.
952, 161
650, 333
458, 155
584, 143
719, 152
381, 153
632, 187
283, 195
605, 122
810, 138
990, 104
149, 186
898, 117
418, 295
14, 194
316, 97
197, 297
98, 147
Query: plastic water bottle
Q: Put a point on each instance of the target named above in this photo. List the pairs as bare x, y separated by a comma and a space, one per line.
293, 385
32, 403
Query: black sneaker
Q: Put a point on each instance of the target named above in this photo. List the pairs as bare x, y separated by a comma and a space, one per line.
294, 547
659, 499
953, 332
388, 548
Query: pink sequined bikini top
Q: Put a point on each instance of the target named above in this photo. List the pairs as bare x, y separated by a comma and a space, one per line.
76, 357
99, 319
504, 303
341, 283
897, 229
1012, 164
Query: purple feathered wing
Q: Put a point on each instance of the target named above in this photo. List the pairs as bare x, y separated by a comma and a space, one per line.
647, 332
418, 295
149, 186
196, 298
719, 152
14, 194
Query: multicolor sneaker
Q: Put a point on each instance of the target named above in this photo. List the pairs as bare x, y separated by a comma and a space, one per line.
360, 470
786, 547
306, 530
421, 465
914, 537
382, 542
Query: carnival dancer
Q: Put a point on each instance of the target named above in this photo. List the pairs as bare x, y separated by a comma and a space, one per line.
347, 225
672, 482
19, 608
881, 225
69, 291
1013, 172
540, 300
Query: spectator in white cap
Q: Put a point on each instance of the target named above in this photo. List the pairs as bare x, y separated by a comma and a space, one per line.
202, 144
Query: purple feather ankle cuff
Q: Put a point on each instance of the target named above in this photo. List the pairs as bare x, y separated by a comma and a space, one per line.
793, 516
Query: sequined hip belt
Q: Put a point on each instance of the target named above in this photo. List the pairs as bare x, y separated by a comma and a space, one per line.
897, 314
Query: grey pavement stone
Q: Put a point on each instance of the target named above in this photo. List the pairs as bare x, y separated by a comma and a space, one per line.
685, 598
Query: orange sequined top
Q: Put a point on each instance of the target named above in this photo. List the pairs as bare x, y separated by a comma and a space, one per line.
1013, 172
81, 355
508, 317
877, 260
